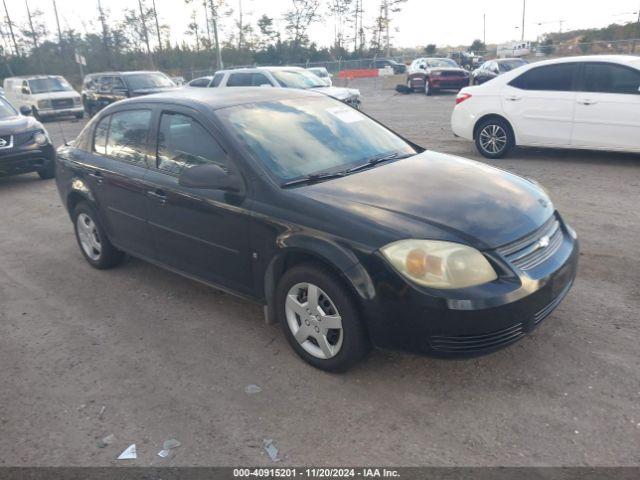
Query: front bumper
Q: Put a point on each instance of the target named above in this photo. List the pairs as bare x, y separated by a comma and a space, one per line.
63, 112
25, 159
449, 83
473, 321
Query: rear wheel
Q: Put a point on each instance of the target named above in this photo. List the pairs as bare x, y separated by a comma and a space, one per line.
494, 138
79, 115
92, 239
320, 319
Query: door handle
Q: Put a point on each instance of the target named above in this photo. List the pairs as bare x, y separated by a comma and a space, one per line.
587, 101
158, 195
513, 98
97, 175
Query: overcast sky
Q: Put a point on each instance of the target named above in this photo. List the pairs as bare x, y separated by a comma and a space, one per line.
420, 22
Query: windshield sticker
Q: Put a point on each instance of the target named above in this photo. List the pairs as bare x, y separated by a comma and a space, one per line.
346, 114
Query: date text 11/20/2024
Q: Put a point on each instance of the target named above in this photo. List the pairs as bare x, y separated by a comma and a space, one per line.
316, 472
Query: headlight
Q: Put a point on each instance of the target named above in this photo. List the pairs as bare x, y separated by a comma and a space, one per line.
437, 264
44, 104
436, 74
76, 100
41, 138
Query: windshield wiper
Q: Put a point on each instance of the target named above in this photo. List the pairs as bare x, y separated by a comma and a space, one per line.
379, 159
314, 177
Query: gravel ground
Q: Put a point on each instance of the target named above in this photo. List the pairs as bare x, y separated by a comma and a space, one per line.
163, 357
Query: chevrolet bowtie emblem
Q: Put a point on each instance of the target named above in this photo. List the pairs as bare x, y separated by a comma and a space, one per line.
543, 242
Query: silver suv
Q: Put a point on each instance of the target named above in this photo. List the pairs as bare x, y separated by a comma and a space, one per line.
278, 77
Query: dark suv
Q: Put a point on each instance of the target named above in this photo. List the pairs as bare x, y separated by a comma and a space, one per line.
102, 89
346, 232
398, 68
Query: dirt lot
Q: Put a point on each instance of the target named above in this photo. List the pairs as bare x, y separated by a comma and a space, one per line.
169, 358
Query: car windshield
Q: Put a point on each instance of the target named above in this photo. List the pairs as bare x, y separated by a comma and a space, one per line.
297, 79
441, 62
302, 137
141, 81
49, 84
508, 65
320, 72
6, 110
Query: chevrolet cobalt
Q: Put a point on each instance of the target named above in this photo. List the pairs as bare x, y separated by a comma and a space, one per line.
347, 233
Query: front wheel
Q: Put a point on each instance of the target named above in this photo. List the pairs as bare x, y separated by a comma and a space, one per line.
92, 239
48, 172
320, 319
494, 138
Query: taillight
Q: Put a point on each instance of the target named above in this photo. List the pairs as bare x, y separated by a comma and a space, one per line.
462, 97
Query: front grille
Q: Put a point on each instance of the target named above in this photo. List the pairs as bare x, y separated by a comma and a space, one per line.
536, 248
22, 138
477, 343
62, 103
454, 74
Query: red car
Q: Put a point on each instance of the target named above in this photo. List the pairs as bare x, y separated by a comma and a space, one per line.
431, 74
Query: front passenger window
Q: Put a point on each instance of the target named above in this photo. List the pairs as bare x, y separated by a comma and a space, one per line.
128, 133
184, 143
609, 78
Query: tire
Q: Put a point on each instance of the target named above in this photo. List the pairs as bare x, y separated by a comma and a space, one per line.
48, 172
107, 255
344, 346
79, 115
428, 91
494, 138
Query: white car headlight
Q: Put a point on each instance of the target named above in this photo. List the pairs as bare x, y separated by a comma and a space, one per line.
77, 100
44, 104
436, 74
437, 264
41, 138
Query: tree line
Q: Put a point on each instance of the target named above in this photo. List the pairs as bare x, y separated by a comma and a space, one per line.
219, 34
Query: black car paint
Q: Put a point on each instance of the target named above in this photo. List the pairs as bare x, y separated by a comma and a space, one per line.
25, 155
243, 242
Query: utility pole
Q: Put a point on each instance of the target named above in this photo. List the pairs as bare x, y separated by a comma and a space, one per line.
386, 21
145, 32
55, 11
13, 38
35, 37
524, 8
240, 24
155, 14
206, 19
484, 30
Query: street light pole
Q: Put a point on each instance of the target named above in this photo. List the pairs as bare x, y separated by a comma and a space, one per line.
524, 8
484, 29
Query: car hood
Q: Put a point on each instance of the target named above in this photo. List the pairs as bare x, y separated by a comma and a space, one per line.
149, 91
338, 92
461, 199
447, 70
18, 124
54, 95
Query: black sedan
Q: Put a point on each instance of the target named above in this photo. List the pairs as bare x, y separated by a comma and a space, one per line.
24, 144
493, 68
347, 233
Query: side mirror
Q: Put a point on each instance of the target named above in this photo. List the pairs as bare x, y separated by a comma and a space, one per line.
212, 177
422, 67
26, 90
24, 110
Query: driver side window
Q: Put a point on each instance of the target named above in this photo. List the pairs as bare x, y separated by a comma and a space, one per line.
184, 143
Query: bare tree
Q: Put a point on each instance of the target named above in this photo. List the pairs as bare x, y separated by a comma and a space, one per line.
106, 39
36, 29
10, 25
155, 15
298, 19
340, 10
382, 25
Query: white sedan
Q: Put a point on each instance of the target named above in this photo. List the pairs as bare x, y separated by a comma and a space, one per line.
590, 102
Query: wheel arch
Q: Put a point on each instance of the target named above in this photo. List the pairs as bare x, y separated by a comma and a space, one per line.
496, 116
335, 259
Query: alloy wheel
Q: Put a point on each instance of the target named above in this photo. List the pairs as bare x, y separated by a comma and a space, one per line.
493, 139
89, 237
314, 320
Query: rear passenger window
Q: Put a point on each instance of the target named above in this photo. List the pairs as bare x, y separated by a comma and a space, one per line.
184, 143
127, 139
240, 80
557, 78
259, 79
100, 136
199, 82
217, 78
609, 78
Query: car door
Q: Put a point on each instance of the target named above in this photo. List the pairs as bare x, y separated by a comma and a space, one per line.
607, 107
540, 104
116, 171
200, 232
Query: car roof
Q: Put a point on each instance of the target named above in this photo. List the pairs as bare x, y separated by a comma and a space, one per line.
624, 59
32, 77
217, 98
257, 69
132, 72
